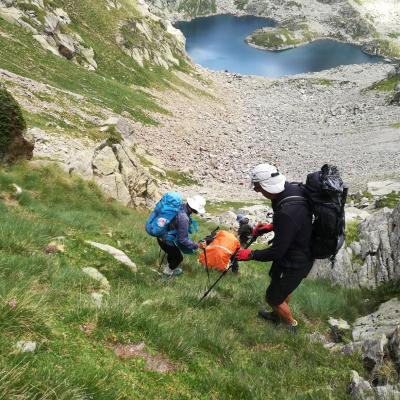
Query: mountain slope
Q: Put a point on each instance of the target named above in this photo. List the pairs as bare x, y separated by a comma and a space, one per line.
218, 350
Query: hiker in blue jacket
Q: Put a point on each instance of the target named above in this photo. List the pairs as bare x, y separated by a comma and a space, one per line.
177, 239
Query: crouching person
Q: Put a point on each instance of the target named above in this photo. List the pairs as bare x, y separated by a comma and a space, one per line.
175, 240
290, 252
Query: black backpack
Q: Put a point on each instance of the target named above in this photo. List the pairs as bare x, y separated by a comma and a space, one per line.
326, 195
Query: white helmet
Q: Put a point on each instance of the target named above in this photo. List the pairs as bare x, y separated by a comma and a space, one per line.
197, 203
268, 177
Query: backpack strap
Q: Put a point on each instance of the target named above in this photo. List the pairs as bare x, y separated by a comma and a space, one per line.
292, 200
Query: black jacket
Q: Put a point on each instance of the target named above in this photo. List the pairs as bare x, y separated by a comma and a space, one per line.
291, 247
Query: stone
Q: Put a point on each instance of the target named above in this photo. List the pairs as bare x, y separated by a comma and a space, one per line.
373, 350
377, 254
382, 188
353, 213
395, 346
18, 189
119, 255
387, 392
228, 218
383, 321
66, 45
44, 42
360, 389
62, 16
51, 23
98, 276
54, 247
97, 299
26, 346
338, 327
104, 162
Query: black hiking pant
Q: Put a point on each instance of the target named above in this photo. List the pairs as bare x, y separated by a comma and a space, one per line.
174, 255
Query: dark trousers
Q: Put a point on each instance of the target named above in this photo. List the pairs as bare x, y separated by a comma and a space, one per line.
174, 255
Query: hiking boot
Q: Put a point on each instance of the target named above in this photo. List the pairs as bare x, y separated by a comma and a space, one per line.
269, 316
169, 273
292, 328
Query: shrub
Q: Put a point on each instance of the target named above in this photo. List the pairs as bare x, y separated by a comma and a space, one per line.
12, 122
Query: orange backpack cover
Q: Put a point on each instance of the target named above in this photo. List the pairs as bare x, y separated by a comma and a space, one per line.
220, 251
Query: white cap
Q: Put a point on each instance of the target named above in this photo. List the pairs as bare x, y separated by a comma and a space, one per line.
268, 177
197, 203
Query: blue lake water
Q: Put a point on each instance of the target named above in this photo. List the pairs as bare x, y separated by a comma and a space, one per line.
217, 42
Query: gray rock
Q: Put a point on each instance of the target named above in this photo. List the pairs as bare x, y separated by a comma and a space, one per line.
97, 276
228, 218
119, 255
51, 24
395, 345
26, 346
97, 298
360, 389
373, 350
387, 392
383, 321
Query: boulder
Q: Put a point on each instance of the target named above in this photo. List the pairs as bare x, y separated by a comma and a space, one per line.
373, 259
228, 218
395, 346
360, 389
383, 321
119, 255
99, 277
353, 214
26, 346
373, 350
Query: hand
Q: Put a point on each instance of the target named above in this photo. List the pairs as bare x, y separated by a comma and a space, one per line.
244, 255
261, 229
202, 244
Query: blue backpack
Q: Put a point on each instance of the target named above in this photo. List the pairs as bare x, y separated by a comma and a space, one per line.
164, 212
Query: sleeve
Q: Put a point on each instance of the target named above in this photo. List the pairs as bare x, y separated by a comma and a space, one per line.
285, 230
183, 232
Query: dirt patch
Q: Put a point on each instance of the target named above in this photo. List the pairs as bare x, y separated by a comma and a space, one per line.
88, 328
157, 363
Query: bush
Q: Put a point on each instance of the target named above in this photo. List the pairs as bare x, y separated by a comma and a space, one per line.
12, 122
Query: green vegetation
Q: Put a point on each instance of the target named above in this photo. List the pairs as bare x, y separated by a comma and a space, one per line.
193, 8
391, 200
220, 350
396, 125
114, 84
394, 35
221, 206
386, 85
352, 233
12, 122
277, 38
241, 4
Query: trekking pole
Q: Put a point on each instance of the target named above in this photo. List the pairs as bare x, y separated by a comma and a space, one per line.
248, 244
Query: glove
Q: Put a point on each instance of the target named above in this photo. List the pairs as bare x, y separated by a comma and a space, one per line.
261, 229
244, 255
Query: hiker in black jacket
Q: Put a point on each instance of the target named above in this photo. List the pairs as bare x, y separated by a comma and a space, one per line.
290, 252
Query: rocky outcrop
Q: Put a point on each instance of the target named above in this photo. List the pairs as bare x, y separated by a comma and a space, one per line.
371, 260
13, 145
50, 27
378, 336
110, 163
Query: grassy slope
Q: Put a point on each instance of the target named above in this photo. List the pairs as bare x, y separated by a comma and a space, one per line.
221, 349
110, 85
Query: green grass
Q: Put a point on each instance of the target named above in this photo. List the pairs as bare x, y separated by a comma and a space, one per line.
396, 125
111, 86
390, 200
220, 349
194, 8
352, 233
281, 37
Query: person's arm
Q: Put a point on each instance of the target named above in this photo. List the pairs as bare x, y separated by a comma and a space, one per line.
183, 232
285, 230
